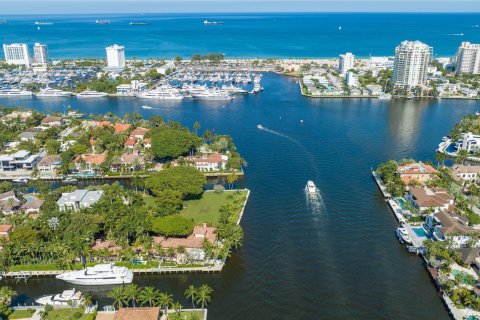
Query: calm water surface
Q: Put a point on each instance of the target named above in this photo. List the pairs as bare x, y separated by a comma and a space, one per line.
243, 35
335, 258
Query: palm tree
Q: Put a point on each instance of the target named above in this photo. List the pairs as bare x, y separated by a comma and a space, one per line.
132, 293
118, 296
177, 306
462, 155
165, 300
6, 295
204, 295
231, 180
149, 296
191, 293
440, 157
171, 253
196, 126
87, 299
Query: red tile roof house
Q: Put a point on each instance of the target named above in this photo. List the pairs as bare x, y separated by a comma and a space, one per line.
425, 198
137, 314
130, 143
211, 162
139, 133
118, 127
193, 243
147, 143
89, 163
5, 230
419, 172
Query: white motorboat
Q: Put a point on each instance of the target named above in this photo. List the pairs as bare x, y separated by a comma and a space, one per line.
20, 180
100, 274
259, 126
91, 94
403, 236
311, 188
146, 107
69, 180
14, 93
66, 298
385, 96
53, 93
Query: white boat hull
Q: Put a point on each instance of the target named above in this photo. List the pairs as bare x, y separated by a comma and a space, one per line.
99, 282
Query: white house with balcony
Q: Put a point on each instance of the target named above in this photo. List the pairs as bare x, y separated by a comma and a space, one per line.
469, 142
79, 199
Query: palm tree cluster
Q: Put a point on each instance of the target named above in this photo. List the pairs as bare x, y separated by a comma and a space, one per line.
133, 295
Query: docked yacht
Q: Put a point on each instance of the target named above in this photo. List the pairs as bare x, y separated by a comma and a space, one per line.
385, 96
53, 93
162, 94
69, 180
20, 180
311, 188
14, 93
64, 299
100, 274
91, 94
402, 235
214, 95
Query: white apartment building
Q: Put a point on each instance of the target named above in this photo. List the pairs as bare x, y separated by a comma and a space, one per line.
346, 62
467, 59
40, 53
17, 54
351, 79
115, 56
411, 62
469, 142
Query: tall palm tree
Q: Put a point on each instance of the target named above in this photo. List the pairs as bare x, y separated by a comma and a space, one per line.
204, 295
118, 296
191, 293
132, 292
6, 295
177, 306
231, 179
196, 126
148, 295
165, 300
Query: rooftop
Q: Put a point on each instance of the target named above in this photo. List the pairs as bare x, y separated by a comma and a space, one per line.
195, 240
426, 197
137, 314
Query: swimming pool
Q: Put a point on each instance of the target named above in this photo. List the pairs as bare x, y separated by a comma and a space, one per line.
30, 198
421, 233
465, 277
402, 203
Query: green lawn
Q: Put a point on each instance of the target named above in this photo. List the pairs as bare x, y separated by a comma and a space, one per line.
61, 314
189, 315
207, 208
20, 314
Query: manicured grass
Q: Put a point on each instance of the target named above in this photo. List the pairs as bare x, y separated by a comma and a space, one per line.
191, 315
20, 314
61, 314
207, 208
128, 264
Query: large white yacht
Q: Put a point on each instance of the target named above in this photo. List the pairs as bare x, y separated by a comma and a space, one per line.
100, 274
63, 299
91, 94
165, 93
53, 93
214, 95
14, 93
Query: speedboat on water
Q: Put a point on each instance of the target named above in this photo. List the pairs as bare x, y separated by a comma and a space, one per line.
63, 299
259, 126
403, 236
311, 187
100, 274
146, 107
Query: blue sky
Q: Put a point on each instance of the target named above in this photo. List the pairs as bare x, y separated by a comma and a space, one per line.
188, 6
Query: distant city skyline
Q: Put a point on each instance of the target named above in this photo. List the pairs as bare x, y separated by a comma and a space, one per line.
14, 7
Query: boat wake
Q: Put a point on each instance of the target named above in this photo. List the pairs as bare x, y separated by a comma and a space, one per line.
260, 127
455, 34
314, 200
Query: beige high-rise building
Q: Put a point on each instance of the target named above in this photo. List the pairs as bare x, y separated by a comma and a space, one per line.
411, 62
467, 59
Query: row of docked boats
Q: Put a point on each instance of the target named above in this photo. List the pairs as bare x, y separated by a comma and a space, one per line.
51, 93
200, 92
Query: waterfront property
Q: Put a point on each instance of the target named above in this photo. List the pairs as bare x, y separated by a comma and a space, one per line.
416, 173
79, 199
429, 199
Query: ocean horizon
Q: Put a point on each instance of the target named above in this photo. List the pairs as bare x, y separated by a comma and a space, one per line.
243, 35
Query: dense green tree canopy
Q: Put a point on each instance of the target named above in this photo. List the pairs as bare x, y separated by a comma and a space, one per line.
172, 143
186, 180
172, 226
